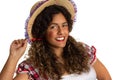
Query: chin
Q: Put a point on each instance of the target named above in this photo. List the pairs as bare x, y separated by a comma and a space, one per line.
62, 46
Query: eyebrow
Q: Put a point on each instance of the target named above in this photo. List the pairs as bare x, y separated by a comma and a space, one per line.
57, 24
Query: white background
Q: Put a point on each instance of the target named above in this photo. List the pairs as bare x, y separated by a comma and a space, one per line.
97, 24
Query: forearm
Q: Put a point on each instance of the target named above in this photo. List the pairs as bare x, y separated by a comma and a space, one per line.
8, 70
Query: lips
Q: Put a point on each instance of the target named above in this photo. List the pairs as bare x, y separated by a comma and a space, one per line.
60, 38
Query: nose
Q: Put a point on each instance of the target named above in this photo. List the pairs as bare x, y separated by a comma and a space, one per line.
60, 30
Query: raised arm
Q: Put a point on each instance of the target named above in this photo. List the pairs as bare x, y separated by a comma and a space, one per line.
17, 49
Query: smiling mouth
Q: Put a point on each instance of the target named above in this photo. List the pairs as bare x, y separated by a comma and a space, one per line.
60, 38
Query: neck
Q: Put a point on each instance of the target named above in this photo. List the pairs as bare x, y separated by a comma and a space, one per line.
58, 52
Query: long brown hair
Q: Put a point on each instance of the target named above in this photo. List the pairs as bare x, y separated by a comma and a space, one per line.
75, 56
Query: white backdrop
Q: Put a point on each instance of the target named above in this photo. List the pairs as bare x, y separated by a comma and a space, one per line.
97, 24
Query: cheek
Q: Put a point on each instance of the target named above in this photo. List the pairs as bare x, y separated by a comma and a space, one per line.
66, 32
50, 34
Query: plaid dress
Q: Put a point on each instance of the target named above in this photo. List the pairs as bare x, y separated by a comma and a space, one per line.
33, 73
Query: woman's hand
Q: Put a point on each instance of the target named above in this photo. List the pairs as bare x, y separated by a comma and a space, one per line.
17, 48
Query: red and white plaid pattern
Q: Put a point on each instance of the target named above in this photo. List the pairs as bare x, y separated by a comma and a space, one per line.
34, 73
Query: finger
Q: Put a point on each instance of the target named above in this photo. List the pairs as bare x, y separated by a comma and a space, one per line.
15, 42
18, 42
23, 42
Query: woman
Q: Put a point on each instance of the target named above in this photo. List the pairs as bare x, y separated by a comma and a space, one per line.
54, 54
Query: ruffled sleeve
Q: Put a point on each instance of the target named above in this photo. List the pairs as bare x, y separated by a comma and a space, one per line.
92, 52
24, 67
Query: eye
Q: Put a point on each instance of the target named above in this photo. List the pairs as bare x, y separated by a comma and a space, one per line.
53, 26
65, 24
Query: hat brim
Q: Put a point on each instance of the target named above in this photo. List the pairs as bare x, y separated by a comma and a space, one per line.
66, 3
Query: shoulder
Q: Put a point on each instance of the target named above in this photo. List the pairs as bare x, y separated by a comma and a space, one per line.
91, 50
26, 67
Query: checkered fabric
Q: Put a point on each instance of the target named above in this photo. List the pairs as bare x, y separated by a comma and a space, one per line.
33, 73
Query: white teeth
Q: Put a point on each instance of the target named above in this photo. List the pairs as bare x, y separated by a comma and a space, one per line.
62, 38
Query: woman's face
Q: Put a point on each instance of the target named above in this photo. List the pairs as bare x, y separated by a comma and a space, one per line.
57, 32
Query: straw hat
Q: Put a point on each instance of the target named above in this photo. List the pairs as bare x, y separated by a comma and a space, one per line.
40, 5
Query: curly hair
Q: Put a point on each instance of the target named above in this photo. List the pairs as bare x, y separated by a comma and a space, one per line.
75, 56
43, 20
